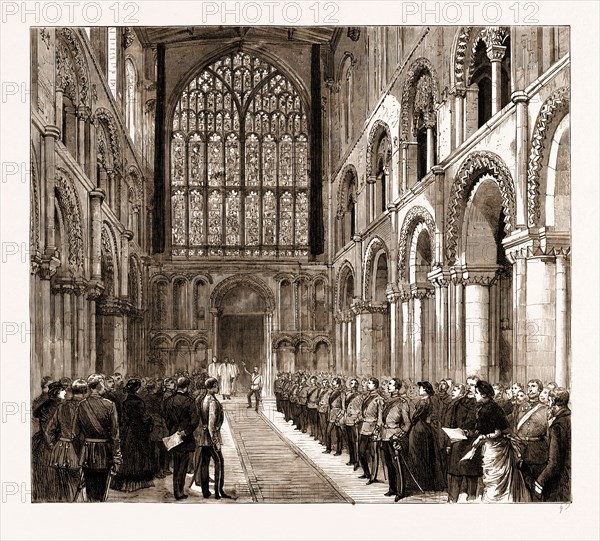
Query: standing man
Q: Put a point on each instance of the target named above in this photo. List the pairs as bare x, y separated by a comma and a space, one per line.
213, 369
323, 410
225, 373
211, 415
234, 377
530, 433
372, 411
336, 410
396, 424
554, 482
463, 414
181, 418
354, 399
256, 385
312, 403
97, 422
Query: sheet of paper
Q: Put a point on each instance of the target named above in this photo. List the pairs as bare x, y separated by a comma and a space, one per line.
455, 434
470, 454
172, 441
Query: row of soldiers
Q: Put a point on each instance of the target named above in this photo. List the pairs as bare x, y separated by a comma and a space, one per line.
401, 422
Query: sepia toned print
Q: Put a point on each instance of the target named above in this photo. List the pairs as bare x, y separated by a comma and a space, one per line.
301, 264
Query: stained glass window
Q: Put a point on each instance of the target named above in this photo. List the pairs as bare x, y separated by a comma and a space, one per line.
240, 163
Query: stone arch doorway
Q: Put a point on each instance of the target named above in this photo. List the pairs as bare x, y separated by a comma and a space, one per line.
487, 276
242, 309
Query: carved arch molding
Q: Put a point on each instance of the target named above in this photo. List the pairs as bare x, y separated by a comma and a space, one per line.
416, 215
555, 107
473, 167
247, 281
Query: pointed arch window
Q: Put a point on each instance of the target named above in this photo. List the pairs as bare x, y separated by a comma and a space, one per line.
239, 163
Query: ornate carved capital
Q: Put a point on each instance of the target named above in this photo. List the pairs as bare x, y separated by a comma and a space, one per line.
127, 234
421, 292
377, 308
128, 37
111, 306
83, 112
392, 292
440, 277
480, 276
359, 307
48, 265
354, 33
63, 286
496, 52
94, 290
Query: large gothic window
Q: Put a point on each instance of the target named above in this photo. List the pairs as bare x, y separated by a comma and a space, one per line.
239, 163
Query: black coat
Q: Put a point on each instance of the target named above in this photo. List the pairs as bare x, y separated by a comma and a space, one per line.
556, 476
463, 414
181, 415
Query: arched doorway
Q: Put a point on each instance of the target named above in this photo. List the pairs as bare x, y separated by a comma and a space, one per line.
488, 285
242, 308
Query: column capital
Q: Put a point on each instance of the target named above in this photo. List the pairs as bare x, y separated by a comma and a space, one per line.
440, 277
83, 112
481, 276
421, 291
94, 290
496, 52
127, 234
98, 193
438, 171
52, 131
458, 92
357, 238
48, 264
392, 293
519, 96
358, 307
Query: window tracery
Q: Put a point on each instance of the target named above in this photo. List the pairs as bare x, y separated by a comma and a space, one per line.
239, 163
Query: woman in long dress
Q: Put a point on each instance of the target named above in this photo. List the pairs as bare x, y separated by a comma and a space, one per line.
43, 477
64, 457
137, 470
423, 451
502, 480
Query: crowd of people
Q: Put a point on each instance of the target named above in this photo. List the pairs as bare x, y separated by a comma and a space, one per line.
489, 441
107, 431
494, 443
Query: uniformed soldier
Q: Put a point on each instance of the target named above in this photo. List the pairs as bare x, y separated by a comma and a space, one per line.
211, 414
97, 422
323, 410
336, 410
372, 410
396, 424
353, 419
312, 405
302, 400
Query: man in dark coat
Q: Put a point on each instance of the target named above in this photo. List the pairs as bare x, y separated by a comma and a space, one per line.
463, 414
396, 424
97, 422
554, 482
181, 417
212, 417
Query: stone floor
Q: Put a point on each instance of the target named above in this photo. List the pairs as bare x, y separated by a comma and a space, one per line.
268, 460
